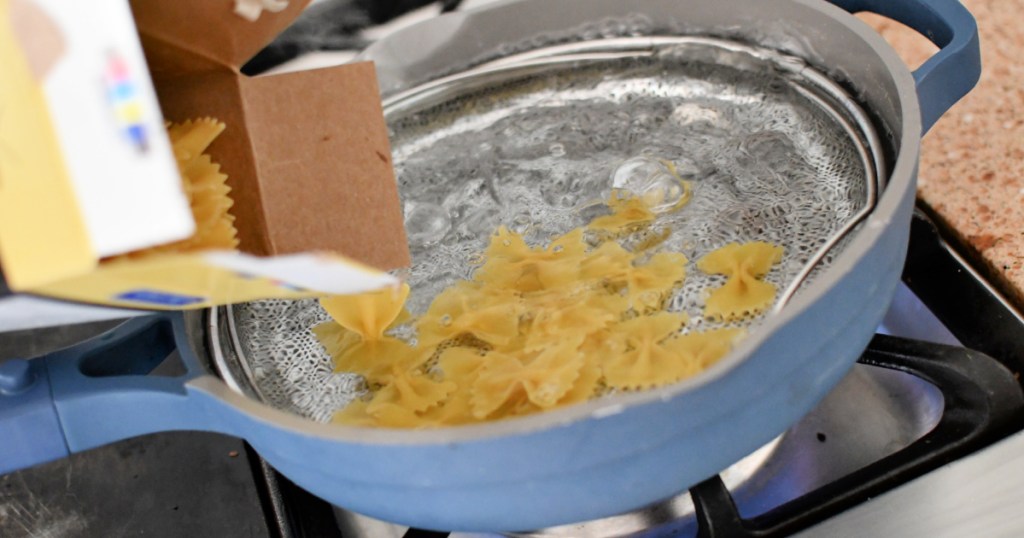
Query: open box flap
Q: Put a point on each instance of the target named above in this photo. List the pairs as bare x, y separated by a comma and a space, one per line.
307, 157
188, 35
201, 280
324, 165
217, 94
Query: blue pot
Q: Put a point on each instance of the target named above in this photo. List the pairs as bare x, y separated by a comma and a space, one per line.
578, 463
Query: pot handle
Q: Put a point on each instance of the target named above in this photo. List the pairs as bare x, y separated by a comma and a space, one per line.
97, 392
949, 75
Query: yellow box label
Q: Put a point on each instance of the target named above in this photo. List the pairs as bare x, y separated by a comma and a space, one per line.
189, 281
168, 282
42, 235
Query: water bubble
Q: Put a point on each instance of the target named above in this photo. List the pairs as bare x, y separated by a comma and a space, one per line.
771, 149
653, 180
688, 113
479, 222
592, 210
521, 223
425, 223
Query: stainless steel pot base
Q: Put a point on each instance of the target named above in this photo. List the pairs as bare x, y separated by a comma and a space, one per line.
284, 363
774, 151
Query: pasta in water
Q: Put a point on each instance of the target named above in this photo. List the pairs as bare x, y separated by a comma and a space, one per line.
537, 327
743, 293
626, 211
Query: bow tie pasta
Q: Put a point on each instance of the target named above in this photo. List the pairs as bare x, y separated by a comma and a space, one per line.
539, 327
205, 187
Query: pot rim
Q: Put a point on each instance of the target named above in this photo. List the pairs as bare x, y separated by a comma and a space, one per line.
899, 180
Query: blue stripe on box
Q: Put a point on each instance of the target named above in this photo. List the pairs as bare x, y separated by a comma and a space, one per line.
121, 91
161, 298
137, 133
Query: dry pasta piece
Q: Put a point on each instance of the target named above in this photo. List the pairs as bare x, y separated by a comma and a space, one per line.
645, 285
560, 314
649, 283
335, 338
615, 303
390, 415
627, 211
500, 381
586, 385
190, 138
605, 343
204, 185
606, 262
367, 314
464, 309
542, 379
462, 366
646, 361
378, 360
455, 410
743, 294
355, 338
411, 391
206, 189
398, 404
698, 351
354, 414
512, 264
650, 238
208, 194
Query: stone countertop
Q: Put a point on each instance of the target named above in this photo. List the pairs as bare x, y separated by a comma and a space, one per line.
972, 162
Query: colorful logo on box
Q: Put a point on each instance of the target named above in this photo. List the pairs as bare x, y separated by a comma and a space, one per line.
124, 97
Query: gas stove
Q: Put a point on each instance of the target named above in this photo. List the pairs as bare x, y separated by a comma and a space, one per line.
923, 437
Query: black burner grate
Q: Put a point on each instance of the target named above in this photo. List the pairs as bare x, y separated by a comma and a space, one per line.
982, 402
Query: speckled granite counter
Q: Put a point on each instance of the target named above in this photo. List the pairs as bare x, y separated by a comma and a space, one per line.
972, 165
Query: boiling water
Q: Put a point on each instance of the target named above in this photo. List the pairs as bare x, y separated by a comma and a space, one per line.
539, 153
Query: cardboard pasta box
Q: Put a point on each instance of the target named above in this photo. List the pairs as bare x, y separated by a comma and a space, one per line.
91, 182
